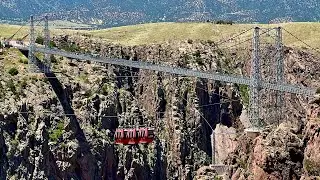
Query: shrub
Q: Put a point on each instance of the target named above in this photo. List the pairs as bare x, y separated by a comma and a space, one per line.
13, 71
11, 86
197, 54
244, 92
52, 44
318, 91
107, 89
199, 61
53, 59
88, 93
39, 40
210, 42
23, 60
224, 22
14, 143
55, 134
23, 83
69, 47
84, 78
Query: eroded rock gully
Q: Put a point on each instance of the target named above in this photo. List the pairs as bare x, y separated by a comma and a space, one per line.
46, 144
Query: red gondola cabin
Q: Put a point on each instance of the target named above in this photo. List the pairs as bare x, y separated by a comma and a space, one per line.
134, 136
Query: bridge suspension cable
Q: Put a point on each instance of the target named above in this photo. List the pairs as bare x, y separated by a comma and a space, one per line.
233, 37
315, 49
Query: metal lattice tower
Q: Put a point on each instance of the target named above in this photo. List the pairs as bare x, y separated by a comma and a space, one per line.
31, 57
280, 74
47, 45
256, 84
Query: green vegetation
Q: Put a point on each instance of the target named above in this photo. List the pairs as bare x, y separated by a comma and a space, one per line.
84, 78
244, 92
318, 91
13, 71
23, 60
197, 54
52, 44
14, 143
312, 168
199, 61
224, 22
89, 93
55, 134
69, 47
107, 89
11, 86
39, 40
23, 83
39, 55
53, 59
242, 163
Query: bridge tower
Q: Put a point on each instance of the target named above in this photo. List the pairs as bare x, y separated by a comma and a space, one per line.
31, 56
255, 87
46, 42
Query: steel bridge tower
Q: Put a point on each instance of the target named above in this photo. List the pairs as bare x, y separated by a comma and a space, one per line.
46, 42
256, 78
255, 87
31, 56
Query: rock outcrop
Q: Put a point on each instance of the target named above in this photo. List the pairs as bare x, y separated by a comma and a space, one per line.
311, 161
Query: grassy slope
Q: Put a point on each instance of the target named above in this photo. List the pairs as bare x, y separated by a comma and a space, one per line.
160, 32
8, 30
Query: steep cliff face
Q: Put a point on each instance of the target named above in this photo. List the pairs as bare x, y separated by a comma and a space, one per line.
289, 151
63, 127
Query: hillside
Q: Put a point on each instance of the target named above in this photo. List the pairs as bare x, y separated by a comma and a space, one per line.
162, 32
117, 13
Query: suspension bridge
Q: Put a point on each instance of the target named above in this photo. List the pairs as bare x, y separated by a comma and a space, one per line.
255, 82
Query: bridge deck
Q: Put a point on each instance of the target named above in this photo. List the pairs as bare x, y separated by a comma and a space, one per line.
174, 70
